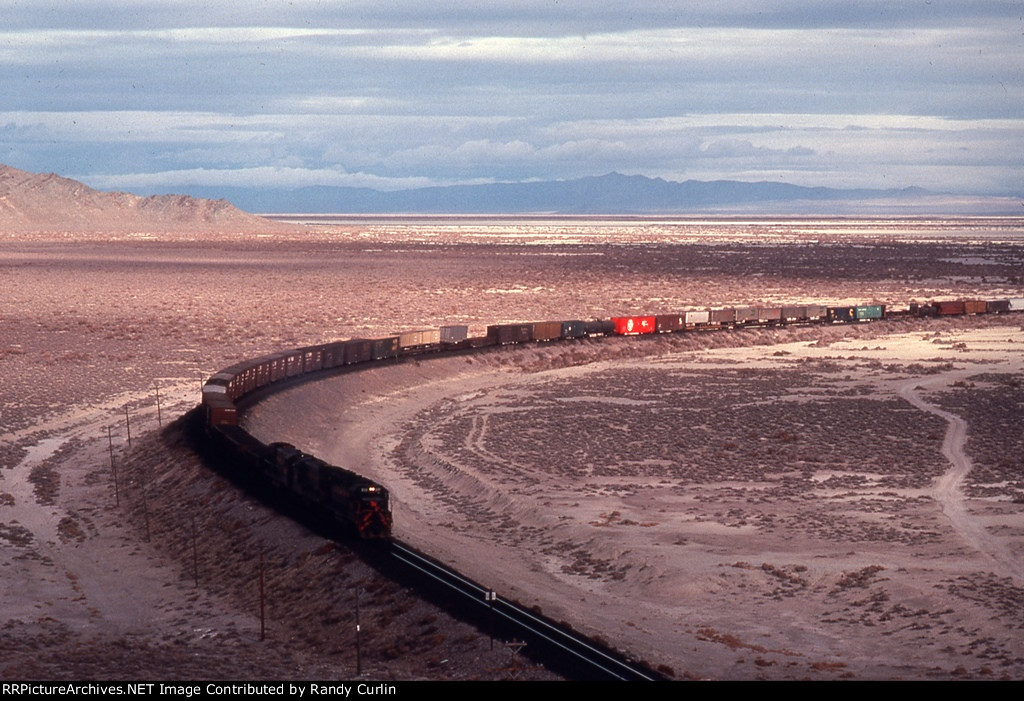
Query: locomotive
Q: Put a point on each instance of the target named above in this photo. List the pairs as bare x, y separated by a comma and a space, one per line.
364, 505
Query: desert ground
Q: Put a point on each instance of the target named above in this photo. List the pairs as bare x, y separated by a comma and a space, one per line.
822, 503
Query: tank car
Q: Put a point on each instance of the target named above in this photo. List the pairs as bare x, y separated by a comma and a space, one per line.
599, 327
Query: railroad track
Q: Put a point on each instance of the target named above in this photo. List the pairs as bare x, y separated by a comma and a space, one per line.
557, 644
349, 500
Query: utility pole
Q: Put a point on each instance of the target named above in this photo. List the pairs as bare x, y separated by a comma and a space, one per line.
263, 628
359, 655
113, 468
490, 597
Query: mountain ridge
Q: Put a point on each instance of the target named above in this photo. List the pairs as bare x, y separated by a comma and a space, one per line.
50, 203
611, 193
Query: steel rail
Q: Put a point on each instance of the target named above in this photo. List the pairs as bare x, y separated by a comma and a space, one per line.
571, 643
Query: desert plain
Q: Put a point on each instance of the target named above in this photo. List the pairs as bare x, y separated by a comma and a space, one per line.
804, 503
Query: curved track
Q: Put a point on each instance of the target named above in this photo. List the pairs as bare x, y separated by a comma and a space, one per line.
228, 392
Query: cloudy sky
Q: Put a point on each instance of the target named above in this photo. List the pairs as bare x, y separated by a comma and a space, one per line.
158, 96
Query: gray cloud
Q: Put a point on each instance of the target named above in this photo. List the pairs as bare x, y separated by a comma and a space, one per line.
876, 94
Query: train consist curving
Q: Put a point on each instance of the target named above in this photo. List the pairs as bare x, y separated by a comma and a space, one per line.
362, 504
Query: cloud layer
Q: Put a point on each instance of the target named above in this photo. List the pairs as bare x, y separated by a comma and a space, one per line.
156, 96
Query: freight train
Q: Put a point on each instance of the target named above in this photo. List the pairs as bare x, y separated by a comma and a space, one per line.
362, 504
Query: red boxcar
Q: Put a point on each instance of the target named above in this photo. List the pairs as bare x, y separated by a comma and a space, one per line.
632, 325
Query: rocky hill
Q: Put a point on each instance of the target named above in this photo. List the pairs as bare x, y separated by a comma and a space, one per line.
37, 203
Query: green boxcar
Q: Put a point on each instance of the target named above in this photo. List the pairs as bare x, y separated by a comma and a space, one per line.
870, 311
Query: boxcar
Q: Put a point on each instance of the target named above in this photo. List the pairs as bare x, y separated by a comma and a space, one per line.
950, 308
547, 330
334, 354
723, 317
220, 411
278, 366
746, 315
668, 323
842, 314
293, 363
792, 314
816, 312
633, 325
262, 371
975, 306
574, 329
504, 334
694, 319
419, 339
312, 358
384, 347
358, 350
870, 312
222, 383
454, 333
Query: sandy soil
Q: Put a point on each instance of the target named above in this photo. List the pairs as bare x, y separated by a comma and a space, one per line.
714, 507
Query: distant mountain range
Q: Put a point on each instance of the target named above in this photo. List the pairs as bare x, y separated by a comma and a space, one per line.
613, 193
31, 202
48, 203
